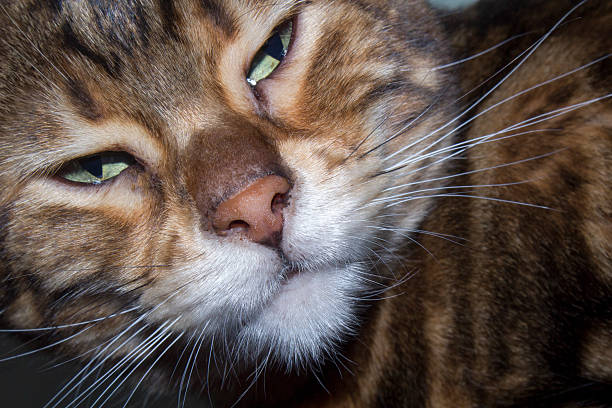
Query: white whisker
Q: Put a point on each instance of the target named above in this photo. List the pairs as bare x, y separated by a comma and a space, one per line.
137, 352
485, 111
181, 400
193, 365
65, 326
424, 190
472, 196
47, 347
481, 53
150, 368
159, 340
483, 97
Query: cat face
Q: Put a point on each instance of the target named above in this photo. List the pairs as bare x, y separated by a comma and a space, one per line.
126, 127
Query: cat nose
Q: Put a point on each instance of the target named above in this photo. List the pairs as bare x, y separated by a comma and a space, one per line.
255, 211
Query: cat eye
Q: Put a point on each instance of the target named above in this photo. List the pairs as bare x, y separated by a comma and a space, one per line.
270, 55
97, 168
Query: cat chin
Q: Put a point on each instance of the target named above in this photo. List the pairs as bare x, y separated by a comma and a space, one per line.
296, 320
312, 313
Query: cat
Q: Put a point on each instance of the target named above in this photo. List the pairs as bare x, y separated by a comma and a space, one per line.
324, 203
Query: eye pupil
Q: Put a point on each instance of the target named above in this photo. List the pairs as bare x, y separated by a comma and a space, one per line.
93, 165
274, 47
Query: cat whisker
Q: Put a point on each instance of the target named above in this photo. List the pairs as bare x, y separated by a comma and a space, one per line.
147, 351
401, 131
374, 295
446, 237
443, 188
465, 173
230, 363
211, 356
466, 108
481, 53
483, 139
128, 360
94, 306
380, 260
372, 241
65, 326
534, 47
196, 344
558, 112
485, 111
340, 357
461, 147
47, 346
492, 76
365, 139
102, 352
475, 196
259, 368
408, 237
151, 367
193, 364
81, 356
88, 370
370, 281
180, 357
315, 375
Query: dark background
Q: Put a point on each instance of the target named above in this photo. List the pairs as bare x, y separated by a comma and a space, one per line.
31, 381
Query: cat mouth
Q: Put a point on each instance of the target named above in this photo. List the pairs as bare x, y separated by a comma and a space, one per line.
289, 273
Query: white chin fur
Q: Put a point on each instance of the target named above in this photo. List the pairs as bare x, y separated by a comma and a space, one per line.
313, 311
296, 322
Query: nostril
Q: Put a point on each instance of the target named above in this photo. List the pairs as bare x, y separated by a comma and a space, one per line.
256, 211
279, 202
238, 225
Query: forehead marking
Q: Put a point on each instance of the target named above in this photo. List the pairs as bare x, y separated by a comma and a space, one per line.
72, 41
219, 15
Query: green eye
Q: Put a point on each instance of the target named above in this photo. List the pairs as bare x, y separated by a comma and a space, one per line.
96, 168
271, 54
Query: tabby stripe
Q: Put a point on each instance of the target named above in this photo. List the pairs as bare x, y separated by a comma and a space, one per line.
219, 16
83, 101
169, 18
461, 350
71, 41
140, 22
55, 5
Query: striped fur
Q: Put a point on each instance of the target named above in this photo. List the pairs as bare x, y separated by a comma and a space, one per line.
448, 237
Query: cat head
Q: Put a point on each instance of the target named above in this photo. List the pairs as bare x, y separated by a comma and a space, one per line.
213, 169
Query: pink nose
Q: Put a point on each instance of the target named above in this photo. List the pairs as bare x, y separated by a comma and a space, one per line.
256, 211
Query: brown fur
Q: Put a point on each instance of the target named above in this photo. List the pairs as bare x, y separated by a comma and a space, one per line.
508, 303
